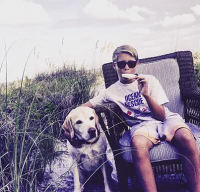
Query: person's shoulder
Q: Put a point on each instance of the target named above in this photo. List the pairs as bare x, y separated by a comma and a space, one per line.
113, 86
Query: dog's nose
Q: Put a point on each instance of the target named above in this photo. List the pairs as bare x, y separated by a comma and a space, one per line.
92, 132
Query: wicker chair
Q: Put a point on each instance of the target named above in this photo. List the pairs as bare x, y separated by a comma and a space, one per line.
175, 71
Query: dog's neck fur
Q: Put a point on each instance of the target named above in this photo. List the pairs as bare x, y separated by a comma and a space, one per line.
79, 143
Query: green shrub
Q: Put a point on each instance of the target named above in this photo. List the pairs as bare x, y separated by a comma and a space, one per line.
196, 58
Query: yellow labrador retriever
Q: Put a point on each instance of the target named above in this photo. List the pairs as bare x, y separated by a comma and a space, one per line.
86, 145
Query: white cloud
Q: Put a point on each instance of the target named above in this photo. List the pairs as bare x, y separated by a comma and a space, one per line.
133, 13
102, 9
56, 0
106, 10
140, 9
21, 12
196, 9
178, 20
141, 31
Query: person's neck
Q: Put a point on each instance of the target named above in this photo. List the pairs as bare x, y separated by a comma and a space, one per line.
129, 81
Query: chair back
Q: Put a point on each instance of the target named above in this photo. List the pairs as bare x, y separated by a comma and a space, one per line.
174, 71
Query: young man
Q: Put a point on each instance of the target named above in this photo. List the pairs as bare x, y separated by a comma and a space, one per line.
142, 100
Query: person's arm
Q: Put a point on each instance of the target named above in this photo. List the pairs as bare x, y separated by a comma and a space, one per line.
156, 109
97, 100
87, 104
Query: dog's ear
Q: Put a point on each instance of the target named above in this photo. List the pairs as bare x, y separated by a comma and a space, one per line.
67, 126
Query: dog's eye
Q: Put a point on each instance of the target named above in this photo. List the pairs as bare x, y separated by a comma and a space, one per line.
91, 118
79, 122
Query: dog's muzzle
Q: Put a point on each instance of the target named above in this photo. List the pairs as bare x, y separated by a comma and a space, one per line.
92, 132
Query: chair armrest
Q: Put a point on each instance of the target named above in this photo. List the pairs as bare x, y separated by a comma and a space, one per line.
112, 122
192, 106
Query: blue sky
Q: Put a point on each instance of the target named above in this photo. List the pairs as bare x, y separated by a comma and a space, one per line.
46, 34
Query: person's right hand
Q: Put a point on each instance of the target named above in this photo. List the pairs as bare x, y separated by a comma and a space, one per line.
142, 85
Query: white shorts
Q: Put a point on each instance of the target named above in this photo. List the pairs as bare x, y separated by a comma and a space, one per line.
158, 130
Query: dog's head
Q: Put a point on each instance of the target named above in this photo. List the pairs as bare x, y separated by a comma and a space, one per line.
83, 123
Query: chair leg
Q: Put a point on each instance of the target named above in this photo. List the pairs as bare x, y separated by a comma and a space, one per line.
123, 183
121, 174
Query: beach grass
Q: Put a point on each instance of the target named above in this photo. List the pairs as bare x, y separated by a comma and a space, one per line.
31, 114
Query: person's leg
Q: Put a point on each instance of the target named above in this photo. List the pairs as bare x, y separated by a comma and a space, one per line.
142, 164
185, 142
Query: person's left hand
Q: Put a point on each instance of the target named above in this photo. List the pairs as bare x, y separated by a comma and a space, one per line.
142, 85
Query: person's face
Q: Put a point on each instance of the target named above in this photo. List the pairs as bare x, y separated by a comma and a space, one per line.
126, 70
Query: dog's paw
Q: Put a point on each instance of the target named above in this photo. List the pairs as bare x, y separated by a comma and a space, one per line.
78, 190
108, 188
81, 189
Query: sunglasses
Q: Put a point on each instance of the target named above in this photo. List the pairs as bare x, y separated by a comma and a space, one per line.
122, 64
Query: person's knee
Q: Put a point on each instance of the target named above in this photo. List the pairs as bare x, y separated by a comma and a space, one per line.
141, 145
184, 136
